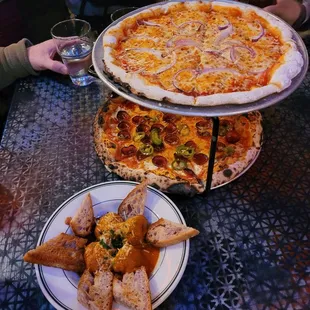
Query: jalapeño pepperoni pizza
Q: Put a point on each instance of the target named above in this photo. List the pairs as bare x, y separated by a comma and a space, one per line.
202, 53
172, 151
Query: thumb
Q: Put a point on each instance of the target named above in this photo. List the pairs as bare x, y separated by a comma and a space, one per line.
56, 66
271, 9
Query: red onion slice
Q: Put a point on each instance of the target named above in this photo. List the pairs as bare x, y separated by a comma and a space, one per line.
261, 32
222, 27
174, 79
156, 53
224, 34
147, 23
168, 66
188, 42
218, 70
233, 54
233, 51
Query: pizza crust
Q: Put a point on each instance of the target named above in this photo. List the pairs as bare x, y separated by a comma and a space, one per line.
235, 169
166, 184
281, 79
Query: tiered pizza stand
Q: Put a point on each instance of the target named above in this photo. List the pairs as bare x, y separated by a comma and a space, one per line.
209, 111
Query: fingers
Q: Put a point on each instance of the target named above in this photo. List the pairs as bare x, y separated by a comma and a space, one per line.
271, 9
56, 66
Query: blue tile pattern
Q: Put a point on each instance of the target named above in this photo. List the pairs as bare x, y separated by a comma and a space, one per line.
253, 251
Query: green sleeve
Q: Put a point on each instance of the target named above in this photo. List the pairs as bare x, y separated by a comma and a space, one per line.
14, 62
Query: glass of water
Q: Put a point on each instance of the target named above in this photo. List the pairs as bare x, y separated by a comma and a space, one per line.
73, 41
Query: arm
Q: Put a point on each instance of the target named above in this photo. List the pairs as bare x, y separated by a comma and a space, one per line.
22, 59
14, 62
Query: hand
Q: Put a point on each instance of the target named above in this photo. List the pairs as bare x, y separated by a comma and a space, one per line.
41, 57
288, 10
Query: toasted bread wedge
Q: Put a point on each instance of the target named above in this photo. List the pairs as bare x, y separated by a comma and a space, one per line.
134, 202
83, 221
134, 290
64, 251
164, 232
86, 281
101, 293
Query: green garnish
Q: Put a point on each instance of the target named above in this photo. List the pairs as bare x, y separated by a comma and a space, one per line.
138, 136
185, 151
147, 149
183, 129
104, 245
155, 137
116, 240
179, 164
229, 150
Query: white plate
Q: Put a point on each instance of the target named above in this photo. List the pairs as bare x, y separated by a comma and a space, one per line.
60, 287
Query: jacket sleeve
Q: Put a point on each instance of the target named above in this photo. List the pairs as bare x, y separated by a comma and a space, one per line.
14, 62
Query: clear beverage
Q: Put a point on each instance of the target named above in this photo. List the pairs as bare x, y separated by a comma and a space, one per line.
77, 57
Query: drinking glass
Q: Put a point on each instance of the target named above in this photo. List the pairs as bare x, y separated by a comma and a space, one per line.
74, 45
120, 12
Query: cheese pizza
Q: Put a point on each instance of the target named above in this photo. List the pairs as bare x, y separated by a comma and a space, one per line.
172, 151
202, 53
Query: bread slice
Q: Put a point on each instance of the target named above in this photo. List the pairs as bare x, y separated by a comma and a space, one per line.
134, 290
86, 281
164, 233
101, 293
134, 202
64, 251
83, 221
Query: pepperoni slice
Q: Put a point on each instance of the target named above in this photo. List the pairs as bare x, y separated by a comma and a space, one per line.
143, 128
204, 125
138, 119
171, 128
200, 158
190, 173
141, 156
204, 134
122, 116
146, 139
124, 134
123, 125
129, 151
130, 105
232, 136
220, 146
160, 127
170, 118
192, 144
159, 148
159, 161
144, 108
226, 122
172, 139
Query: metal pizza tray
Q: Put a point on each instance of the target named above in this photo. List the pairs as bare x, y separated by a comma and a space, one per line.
220, 110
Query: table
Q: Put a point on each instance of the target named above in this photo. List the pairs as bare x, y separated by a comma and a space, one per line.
253, 251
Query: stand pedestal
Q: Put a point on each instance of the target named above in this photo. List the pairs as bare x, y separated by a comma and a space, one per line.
215, 131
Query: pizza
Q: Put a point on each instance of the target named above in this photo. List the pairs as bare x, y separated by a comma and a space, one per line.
172, 151
202, 53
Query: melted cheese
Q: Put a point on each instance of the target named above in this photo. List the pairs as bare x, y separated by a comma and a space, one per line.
241, 124
199, 41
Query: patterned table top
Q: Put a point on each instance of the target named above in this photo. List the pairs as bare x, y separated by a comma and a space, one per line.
253, 251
